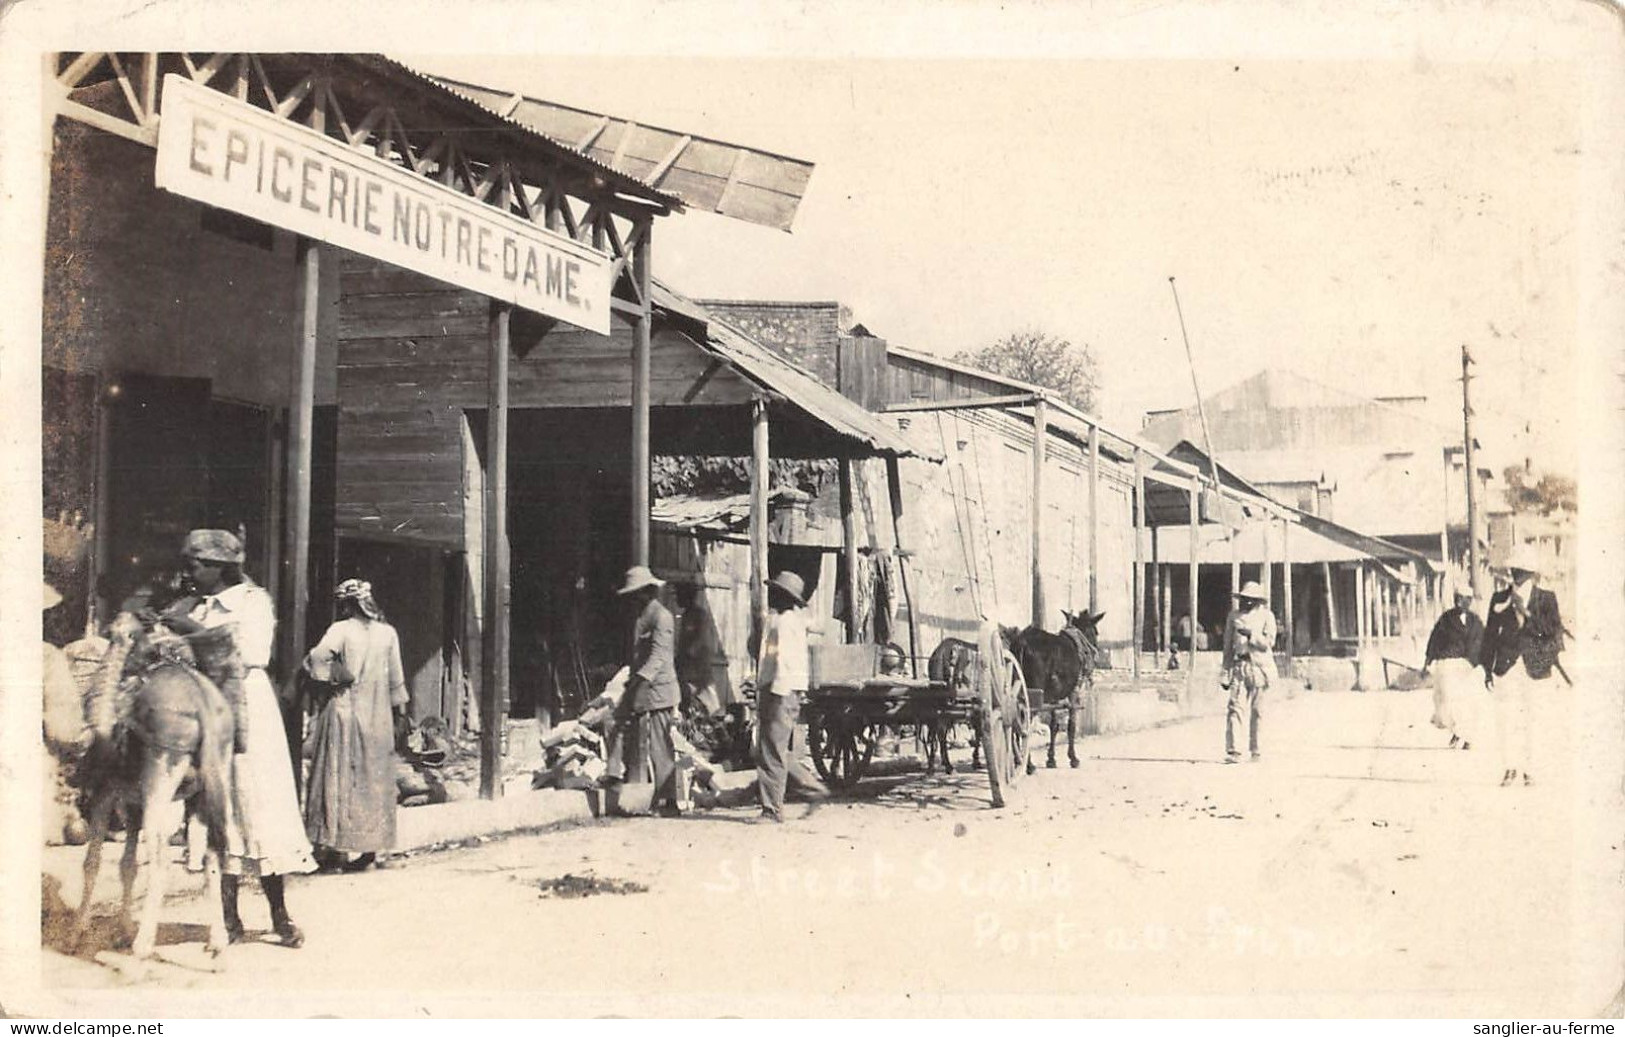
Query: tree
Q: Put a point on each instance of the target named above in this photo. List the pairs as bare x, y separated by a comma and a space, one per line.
1044, 360
1551, 492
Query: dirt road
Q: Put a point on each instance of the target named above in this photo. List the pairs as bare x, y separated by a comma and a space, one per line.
1359, 868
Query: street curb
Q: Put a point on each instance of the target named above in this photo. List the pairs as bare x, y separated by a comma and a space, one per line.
419, 828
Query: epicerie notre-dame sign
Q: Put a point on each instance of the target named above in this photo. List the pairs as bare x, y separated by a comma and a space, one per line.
229, 154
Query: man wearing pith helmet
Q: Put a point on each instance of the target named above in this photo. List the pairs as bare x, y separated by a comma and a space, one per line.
1248, 665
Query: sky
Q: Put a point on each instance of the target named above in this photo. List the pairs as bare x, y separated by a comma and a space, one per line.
1355, 220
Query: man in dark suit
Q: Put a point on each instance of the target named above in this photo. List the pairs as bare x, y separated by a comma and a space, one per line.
1522, 638
1452, 655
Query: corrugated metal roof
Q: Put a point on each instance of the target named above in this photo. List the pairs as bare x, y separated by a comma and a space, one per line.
624, 182
782, 378
708, 174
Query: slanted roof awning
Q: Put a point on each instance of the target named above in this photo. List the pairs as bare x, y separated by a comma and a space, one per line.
823, 407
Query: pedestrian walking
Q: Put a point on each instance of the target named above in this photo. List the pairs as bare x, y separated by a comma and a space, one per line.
265, 835
783, 667
1523, 636
648, 707
1248, 666
1452, 656
350, 802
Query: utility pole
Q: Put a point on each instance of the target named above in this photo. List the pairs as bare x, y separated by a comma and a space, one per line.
1472, 475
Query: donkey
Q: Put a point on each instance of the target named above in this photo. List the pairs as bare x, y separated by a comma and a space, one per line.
1062, 666
162, 736
953, 663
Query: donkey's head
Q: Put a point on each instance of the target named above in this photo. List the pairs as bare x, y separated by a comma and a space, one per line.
1086, 624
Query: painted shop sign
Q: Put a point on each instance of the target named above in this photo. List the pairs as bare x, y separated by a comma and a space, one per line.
228, 154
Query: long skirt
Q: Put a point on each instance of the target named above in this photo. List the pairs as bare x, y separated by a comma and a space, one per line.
266, 835
350, 804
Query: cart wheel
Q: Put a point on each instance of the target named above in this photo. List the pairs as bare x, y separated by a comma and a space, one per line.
1006, 722
841, 749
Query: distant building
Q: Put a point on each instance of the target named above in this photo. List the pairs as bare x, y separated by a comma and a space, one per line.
1375, 464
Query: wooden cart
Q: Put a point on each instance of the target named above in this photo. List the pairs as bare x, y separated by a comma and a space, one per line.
851, 703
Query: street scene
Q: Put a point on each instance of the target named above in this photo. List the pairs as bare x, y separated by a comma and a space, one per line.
828, 534
1361, 870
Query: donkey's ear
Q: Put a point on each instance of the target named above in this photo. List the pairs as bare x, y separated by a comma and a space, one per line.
1098, 617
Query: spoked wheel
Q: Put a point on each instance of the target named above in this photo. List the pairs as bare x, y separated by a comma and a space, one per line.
841, 748
1006, 723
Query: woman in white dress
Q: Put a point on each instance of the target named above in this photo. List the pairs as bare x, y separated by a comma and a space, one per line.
267, 834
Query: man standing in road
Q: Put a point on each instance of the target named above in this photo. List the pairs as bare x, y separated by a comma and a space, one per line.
1248, 665
1522, 639
782, 670
1452, 653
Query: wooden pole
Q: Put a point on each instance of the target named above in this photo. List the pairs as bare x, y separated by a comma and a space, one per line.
494, 639
1094, 519
297, 529
894, 487
1140, 521
1155, 579
640, 398
1331, 601
1196, 621
1164, 624
1040, 450
1235, 562
1471, 459
759, 461
849, 550
1286, 589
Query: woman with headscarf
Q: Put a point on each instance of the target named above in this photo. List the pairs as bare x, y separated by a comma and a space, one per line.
350, 805
266, 836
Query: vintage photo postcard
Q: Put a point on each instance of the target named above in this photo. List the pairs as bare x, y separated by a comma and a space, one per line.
1030, 509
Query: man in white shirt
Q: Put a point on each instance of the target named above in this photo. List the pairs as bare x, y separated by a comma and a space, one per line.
782, 671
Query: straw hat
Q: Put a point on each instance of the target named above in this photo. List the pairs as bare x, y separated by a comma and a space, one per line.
639, 577
220, 546
789, 583
1251, 589
1523, 557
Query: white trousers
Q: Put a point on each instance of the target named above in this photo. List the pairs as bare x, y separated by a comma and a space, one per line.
1513, 731
1458, 693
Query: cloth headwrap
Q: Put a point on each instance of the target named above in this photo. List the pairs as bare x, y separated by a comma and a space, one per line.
214, 545
360, 592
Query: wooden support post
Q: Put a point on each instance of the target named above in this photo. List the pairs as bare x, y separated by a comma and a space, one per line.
1094, 519
1286, 588
894, 486
297, 557
1195, 572
1165, 623
1235, 562
1266, 566
494, 639
1141, 518
759, 474
640, 398
1331, 600
849, 550
1040, 450
1362, 614
1159, 603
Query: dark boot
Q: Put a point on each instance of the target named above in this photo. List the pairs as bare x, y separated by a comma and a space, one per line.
228, 907
281, 924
